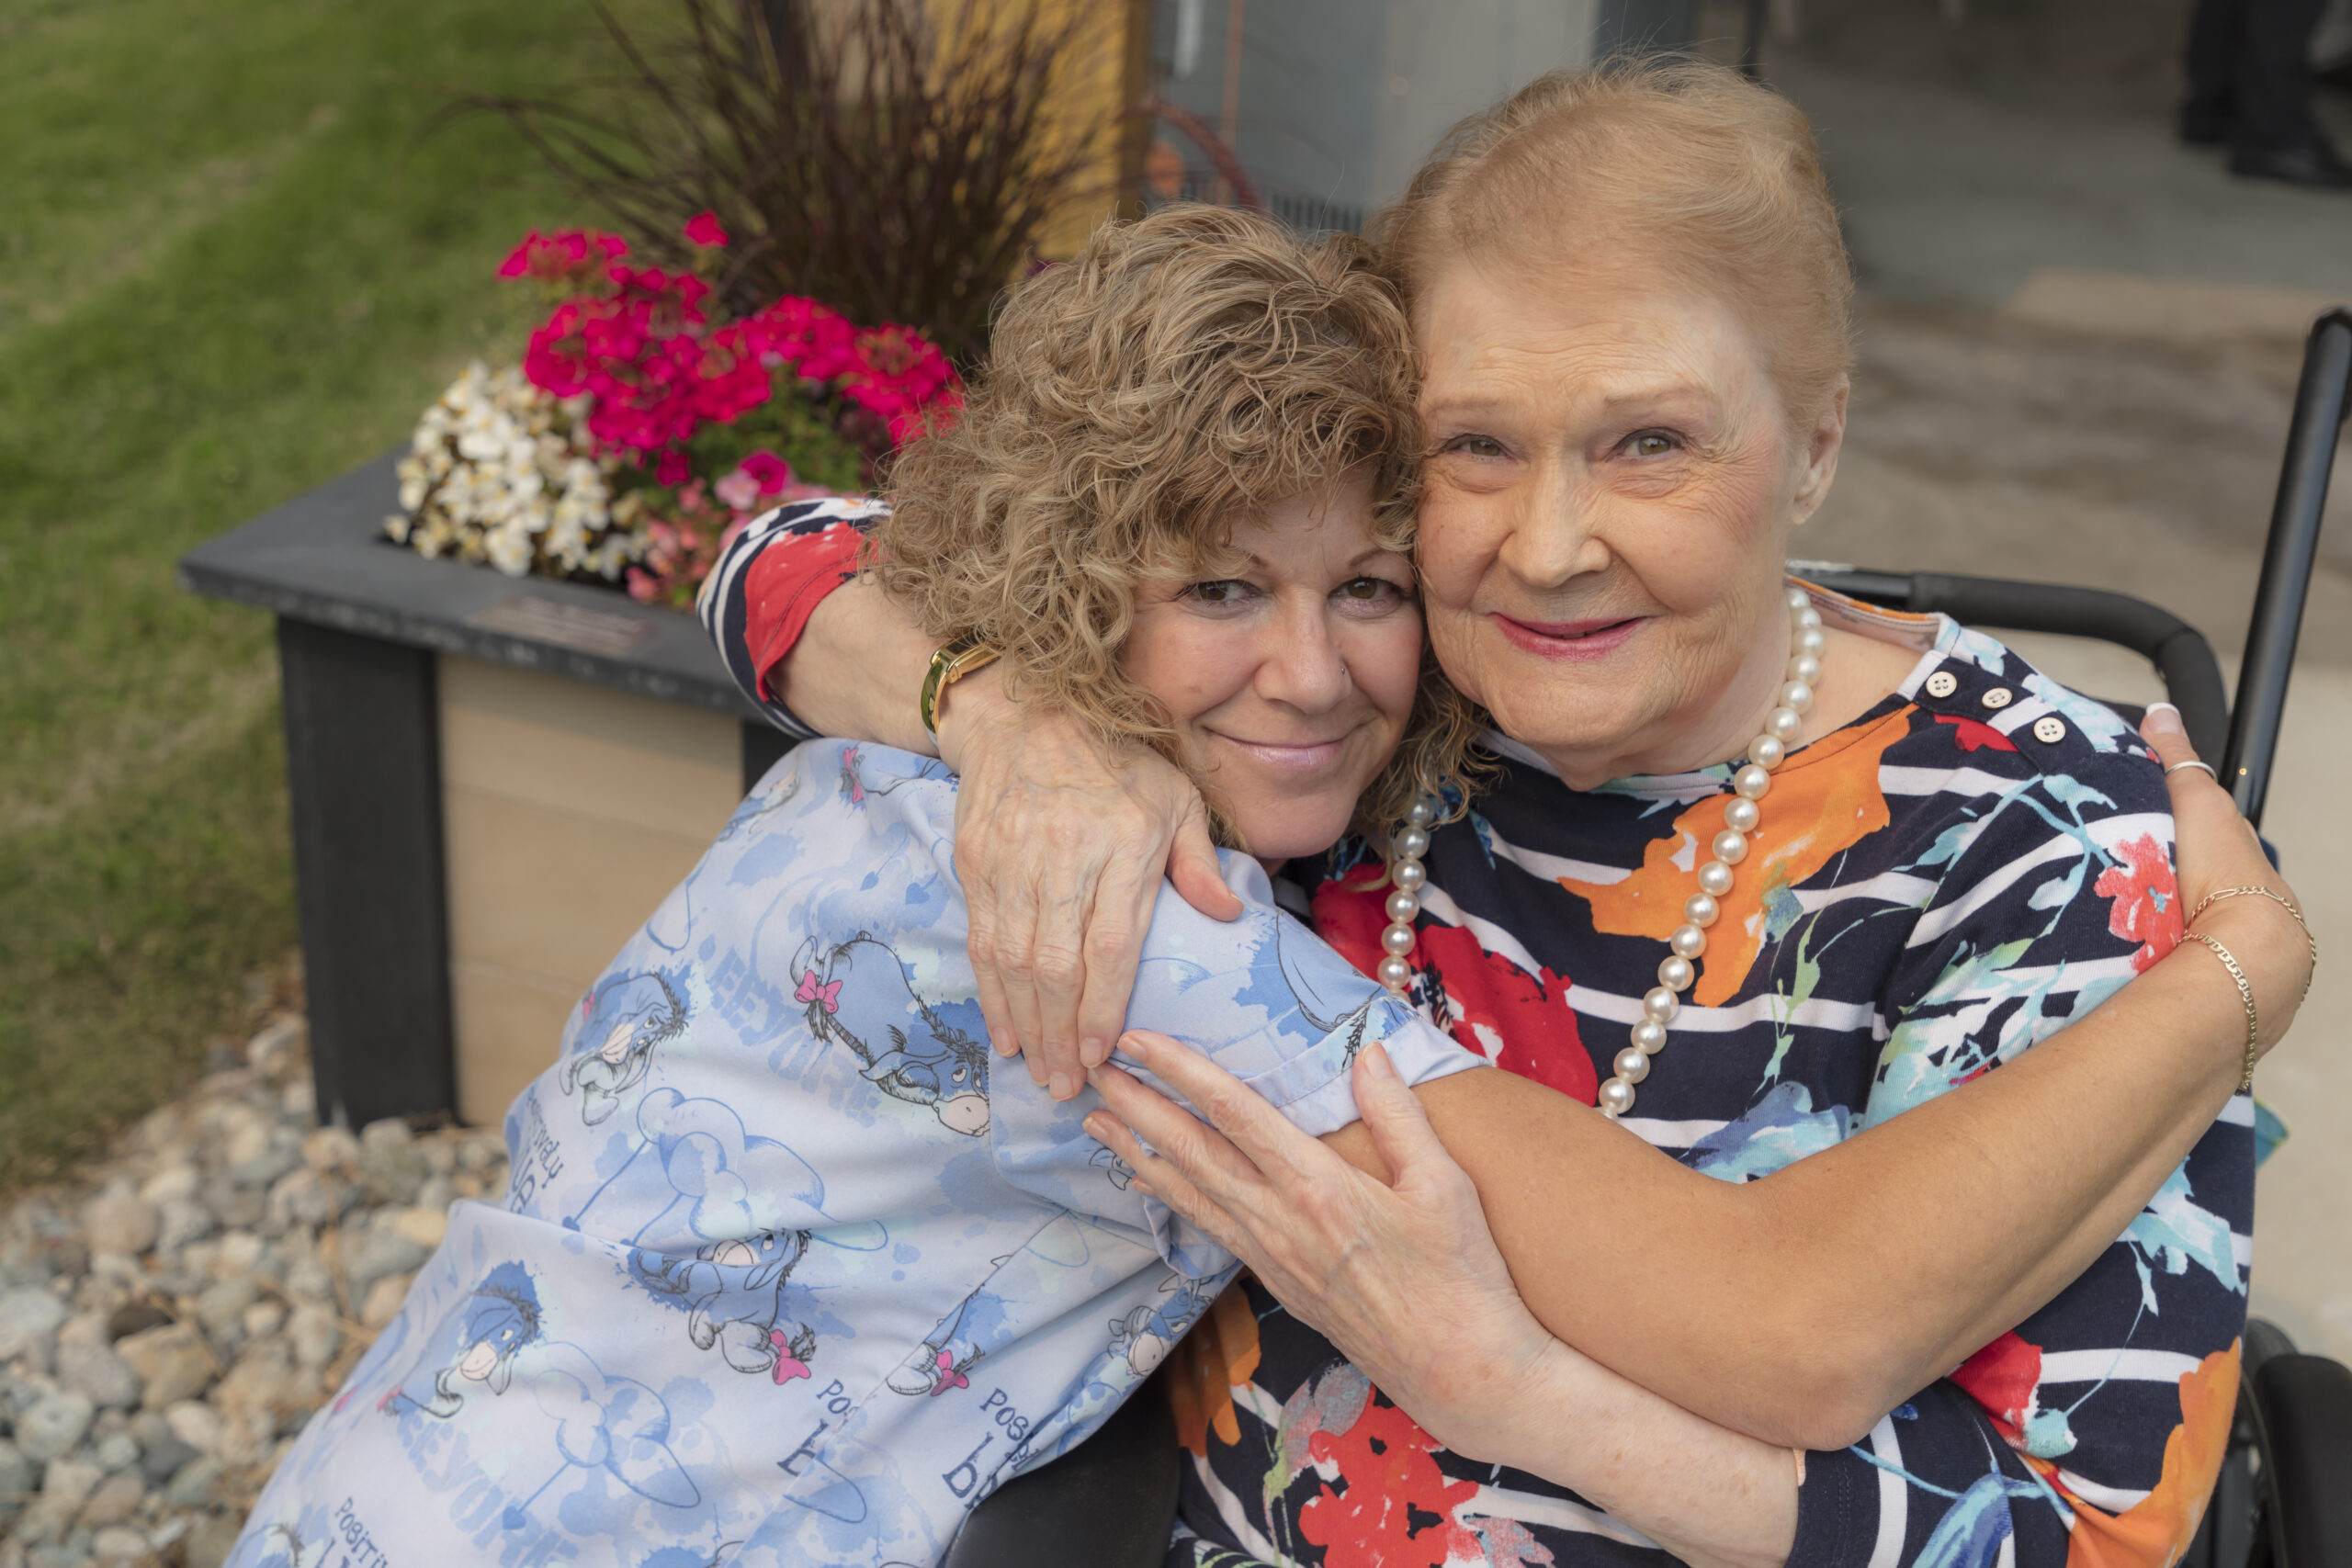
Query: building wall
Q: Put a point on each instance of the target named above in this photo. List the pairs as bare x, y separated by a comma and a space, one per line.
1332, 104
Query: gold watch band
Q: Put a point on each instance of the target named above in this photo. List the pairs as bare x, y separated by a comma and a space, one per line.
949, 665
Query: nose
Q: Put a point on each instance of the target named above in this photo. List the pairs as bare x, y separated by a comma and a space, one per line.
1553, 536
1301, 666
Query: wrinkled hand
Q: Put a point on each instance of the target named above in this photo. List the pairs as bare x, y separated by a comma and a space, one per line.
1404, 1279
2215, 847
1061, 847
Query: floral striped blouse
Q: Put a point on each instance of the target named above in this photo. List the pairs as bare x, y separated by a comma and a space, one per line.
1938, 885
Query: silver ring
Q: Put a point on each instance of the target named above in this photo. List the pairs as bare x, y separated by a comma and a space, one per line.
2207, 768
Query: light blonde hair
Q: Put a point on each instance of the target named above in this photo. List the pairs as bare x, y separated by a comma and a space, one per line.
1675, 165
1182, 371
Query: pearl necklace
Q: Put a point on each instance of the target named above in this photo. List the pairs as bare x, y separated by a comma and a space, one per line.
1783, 726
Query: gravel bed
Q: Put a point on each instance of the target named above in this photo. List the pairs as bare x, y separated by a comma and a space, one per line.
169, 1323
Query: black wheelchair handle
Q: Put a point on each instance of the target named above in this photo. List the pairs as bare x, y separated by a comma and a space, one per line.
2286, 560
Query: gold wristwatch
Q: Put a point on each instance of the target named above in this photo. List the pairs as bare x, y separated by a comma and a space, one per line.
949, 665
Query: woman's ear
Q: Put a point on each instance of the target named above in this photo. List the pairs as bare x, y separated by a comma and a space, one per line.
1828, 437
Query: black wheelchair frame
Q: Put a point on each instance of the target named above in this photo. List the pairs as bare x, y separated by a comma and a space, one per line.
2284, 1497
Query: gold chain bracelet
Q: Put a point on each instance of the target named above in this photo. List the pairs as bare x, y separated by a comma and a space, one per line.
2245, 995
2283, 902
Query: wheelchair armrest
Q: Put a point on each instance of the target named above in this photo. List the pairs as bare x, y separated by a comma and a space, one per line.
1108, 1502
2303, 1406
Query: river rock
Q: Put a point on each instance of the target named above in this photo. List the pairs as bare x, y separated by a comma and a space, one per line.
330, 1150
384, 1299
132, 1317
424, 1224
19, 1476
94, 1372
179, 1222
196, 1485
196, 1424
171, 1364
221, 1309
30, 1318
300, 1197
119, 1220
116, 1544
375, 1252
116, 1450
315, 1336
115, 1499
55, 1425
278, 1048
210, 1543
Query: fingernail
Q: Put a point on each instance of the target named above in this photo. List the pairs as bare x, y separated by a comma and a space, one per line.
1136, 1048
1007, 1047
2166, 718
1137, 1184
1098, 1126
1376, 1063
1093, 1052
1062, 1088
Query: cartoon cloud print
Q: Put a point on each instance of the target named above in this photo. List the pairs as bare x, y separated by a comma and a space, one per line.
858, 994
1148, 1333
500, 1318
732, 1182
627, 1016
601, 1422
732, 1294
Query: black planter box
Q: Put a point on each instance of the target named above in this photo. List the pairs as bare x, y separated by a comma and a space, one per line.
361, 623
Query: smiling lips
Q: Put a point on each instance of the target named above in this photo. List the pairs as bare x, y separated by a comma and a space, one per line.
1288, 759
1570, 641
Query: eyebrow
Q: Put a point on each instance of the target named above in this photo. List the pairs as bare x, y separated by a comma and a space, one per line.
1471, 407
1369, 552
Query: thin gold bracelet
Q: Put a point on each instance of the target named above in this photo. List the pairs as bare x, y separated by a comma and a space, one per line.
2283, 902
2245, 995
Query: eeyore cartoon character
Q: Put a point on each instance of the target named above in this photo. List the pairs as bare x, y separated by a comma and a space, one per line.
1147, 1334
857, 993
624, 1020
732, 1294
499, 1319
948, 1355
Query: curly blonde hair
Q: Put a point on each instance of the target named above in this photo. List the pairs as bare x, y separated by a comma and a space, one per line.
1184, 370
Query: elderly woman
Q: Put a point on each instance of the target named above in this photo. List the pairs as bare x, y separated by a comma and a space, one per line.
1779, 879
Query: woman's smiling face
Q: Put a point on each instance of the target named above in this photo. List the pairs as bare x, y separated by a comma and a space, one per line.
1290, 682
1605, 514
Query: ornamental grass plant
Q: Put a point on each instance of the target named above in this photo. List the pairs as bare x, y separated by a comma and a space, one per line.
897, 160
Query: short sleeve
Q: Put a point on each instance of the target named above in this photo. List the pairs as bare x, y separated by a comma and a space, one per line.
767, 581
1263, 997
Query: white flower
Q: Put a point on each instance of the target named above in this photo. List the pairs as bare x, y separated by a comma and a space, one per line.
509, 549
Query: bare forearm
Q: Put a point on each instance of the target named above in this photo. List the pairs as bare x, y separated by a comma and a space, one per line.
857, 669
1713, 1497
1799, 1307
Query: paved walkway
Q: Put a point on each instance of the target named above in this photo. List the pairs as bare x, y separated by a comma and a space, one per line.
2079, 350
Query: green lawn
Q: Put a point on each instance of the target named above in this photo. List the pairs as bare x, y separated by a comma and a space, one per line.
228, 270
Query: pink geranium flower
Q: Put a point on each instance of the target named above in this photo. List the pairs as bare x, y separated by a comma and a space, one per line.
703, 229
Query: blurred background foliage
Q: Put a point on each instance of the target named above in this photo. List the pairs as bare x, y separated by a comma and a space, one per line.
230, 269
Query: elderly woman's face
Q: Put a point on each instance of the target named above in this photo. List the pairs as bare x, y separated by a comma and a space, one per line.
1290, 682
1605, 514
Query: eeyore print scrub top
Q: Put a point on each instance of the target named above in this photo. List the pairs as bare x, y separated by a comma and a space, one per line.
784, 1277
